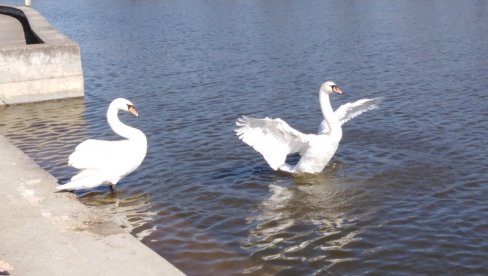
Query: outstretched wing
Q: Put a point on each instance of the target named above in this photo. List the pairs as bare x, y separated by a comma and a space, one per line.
273, 138
348, 111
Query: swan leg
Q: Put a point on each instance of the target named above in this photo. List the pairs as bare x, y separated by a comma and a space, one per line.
112, 188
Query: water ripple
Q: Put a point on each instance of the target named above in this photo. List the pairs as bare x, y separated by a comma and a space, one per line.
406, 192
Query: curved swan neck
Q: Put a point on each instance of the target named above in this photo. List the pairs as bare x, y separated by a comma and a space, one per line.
329, 116
119, 127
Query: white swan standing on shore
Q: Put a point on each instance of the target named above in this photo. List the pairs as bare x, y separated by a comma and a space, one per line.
275, 139
106, 162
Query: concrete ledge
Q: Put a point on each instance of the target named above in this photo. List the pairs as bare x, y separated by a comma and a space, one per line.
53, 65
47, 233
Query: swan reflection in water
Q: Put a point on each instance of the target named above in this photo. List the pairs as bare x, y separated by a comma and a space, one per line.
132, 211
315, 220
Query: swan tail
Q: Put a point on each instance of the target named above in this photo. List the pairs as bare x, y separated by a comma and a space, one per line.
84, 180
84, 173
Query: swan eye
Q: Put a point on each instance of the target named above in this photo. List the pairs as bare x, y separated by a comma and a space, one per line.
129, 106
334, 86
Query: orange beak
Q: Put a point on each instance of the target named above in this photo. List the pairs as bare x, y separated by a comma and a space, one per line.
336, 90
132, 110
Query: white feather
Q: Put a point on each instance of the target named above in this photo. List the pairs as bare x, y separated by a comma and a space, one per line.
106, 162
274, 139
348, 111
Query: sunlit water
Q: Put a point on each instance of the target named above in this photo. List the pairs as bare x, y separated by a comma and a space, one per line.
406, 192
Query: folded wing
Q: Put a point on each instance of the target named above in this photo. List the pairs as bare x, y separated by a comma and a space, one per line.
101, 155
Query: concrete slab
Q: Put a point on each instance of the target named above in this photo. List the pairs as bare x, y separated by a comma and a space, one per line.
48, 233
45, 66
11, 32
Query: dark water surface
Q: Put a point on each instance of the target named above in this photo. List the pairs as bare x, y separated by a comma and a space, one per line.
406, 192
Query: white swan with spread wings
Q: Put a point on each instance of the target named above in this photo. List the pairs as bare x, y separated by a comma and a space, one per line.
275, 139
106, 162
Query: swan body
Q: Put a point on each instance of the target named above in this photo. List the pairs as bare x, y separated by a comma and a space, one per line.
275, 139
106, 162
